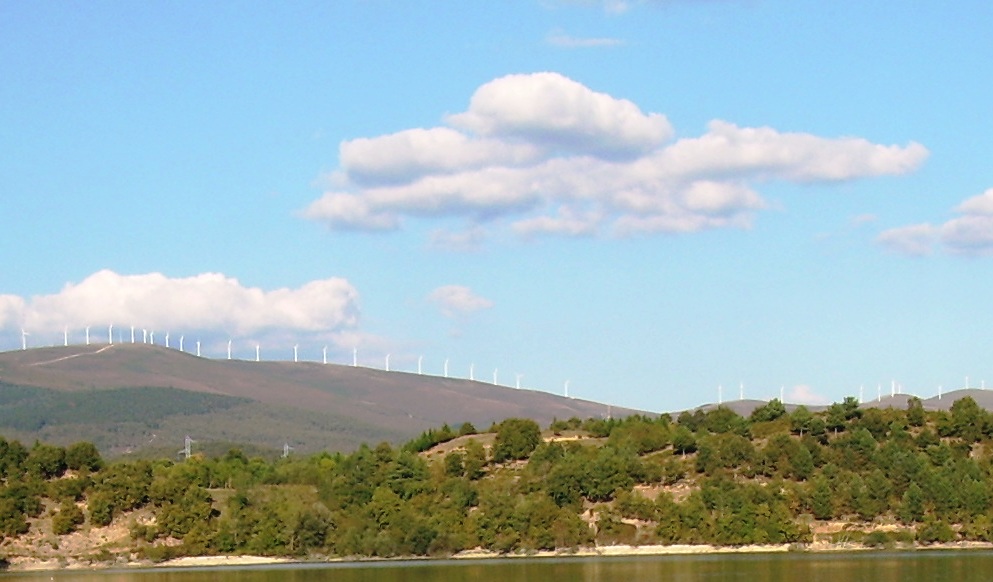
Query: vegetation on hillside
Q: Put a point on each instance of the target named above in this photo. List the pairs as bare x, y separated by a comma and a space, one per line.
706, 477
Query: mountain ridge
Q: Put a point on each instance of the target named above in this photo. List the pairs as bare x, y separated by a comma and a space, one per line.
351, 404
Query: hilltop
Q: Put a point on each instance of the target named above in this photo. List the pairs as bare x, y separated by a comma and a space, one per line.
144, 399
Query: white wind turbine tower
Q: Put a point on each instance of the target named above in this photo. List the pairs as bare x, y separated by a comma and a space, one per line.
420, 360
355, 357
198, 348
87, 335
566, 389
151, 337
518, 380
24, 339
110, 333
741, 391
258, 352
494, 376
65, 336
229, 349
187, 450
472, 368
324, 354
295, 348
132, 334
446, 367
387, 362
181, 338
167, 339
144, 335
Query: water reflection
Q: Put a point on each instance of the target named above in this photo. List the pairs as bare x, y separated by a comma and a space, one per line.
921, 566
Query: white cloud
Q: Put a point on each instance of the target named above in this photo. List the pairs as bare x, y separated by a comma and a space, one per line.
804, 394
407, 155
762, 153
468, 240
458, 300
552, 110
562, 40
210, 302
971, 233
916, 240
543, 154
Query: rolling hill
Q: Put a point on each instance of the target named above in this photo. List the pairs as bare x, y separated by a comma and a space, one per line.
144, 399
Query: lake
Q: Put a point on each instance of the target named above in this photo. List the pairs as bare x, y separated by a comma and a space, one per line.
913, 566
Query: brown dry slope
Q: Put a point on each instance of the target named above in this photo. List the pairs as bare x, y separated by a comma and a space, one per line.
324, 406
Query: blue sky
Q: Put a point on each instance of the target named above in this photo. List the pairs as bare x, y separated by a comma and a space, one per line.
646, 200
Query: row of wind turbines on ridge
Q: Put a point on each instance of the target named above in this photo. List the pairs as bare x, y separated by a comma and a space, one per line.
148, 337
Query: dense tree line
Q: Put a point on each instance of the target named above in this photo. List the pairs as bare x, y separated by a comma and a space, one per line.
707, 476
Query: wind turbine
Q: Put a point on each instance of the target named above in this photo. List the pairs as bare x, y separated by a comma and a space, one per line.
420, 360
324, 353
187, 447
939, 392
144, 336
566, 390
286, 450
198, 348
861, 393
446, 367
87, 335
258, 350
494, 376
355, 357
167, 339
110, 333
472, 368
181, 342
132, 334
741, 391
518, 380
65, 336
24, 339
229, 349
151, 337
295, 348
387, 362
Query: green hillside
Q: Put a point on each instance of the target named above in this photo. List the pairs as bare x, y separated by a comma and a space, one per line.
865, 477
143, 400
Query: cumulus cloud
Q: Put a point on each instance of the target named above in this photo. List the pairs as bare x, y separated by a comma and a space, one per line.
458, 300
970, 233
210, 303
804, 394
915, 240
552, 110
541, 154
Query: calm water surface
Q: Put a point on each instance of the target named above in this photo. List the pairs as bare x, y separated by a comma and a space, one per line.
938, 566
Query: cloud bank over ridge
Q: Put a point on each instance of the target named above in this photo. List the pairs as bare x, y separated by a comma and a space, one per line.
209, 303
541, 154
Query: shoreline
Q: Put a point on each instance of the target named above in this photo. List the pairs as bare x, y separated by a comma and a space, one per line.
25, 564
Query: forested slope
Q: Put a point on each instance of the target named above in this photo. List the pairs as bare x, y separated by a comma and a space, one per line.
871, 475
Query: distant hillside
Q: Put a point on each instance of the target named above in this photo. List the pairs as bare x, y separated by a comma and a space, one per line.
132, 399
